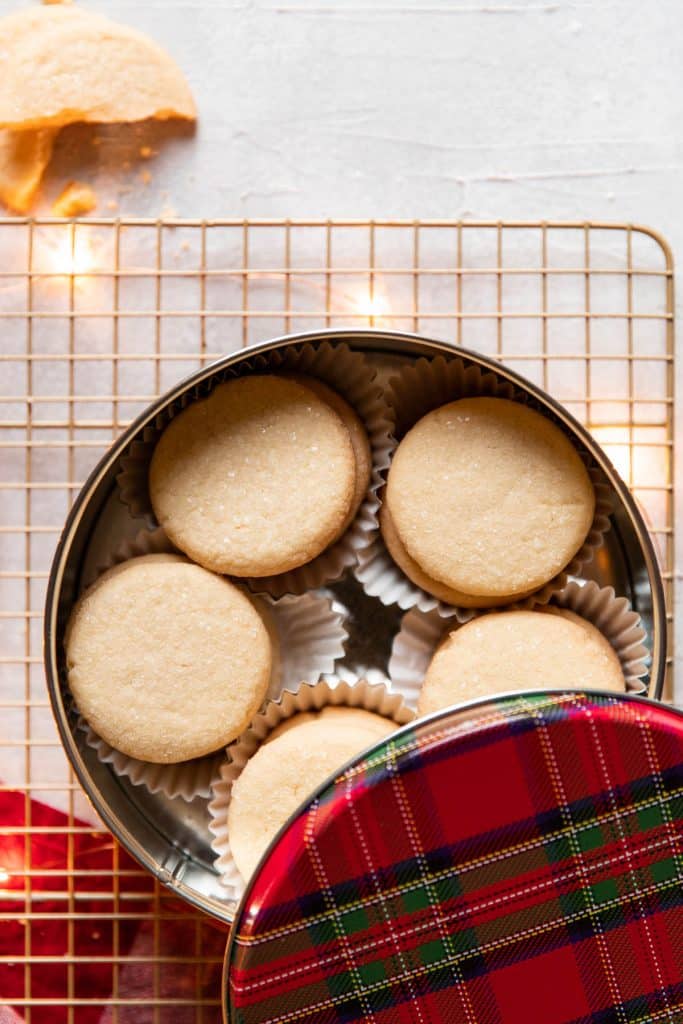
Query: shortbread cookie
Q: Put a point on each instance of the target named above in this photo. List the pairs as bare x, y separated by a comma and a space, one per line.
519, 650
358, 718
75, 200
257, 479
166, 661
301, 718
489, 497
23, 159
280, 776
420, 578
64, 63
267, 616
346, 717
357, 433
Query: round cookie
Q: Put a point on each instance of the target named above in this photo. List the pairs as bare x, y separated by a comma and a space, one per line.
341, 715
413, 571
166, 661
281, 775
257, 479
358, 718
357, 433
64, 63
267, 616
489, 497
519, 650
301, 718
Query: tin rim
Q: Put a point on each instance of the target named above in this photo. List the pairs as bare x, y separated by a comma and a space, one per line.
453, 713
368, 340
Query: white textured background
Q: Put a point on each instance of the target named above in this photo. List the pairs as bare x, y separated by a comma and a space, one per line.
464, 109
461, 109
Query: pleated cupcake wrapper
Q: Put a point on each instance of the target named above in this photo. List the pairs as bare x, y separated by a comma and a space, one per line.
421, 633
418, 388
335, 691
349, 374
311, 634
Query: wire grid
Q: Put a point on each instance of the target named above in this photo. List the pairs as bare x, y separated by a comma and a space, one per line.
96, 319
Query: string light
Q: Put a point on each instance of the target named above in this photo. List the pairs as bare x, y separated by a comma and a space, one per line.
71, 256
374, 305
370, 303
616, 442
4, 875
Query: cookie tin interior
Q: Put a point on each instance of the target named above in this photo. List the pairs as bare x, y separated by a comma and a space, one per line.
516, 859
170, 837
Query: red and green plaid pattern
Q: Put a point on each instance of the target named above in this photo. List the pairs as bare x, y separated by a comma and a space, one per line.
520, 861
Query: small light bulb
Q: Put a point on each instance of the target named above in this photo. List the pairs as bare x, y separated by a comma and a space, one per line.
373, 305
72, 256
616, 442
4, 875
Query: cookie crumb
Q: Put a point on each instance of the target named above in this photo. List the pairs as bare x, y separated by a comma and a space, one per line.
75, 200
23, 159
146, 152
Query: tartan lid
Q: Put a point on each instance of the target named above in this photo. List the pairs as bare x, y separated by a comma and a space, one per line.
517, 860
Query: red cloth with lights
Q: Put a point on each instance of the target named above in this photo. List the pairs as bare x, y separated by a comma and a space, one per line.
81, 914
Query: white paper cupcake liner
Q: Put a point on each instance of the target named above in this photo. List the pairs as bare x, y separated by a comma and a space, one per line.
374, 697
348, 373
311, 639
418, 388
421, 633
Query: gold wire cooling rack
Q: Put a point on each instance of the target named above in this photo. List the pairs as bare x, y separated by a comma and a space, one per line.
98, 317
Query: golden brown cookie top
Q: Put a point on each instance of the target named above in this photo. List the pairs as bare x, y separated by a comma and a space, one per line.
280, 775
165, 660
342, 716
256, 479
62, 63
418, 576
489, 497
519, 650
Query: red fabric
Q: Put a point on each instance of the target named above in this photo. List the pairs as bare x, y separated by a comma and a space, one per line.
90, 857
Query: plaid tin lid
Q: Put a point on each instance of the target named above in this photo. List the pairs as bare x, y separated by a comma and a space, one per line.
517, 860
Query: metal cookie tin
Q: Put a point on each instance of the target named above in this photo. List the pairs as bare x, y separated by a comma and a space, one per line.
510, 860
170, 837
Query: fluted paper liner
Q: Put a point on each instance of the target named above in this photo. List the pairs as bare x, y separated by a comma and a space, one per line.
370, 696
311, 634
421, 633
348, 373
418, 388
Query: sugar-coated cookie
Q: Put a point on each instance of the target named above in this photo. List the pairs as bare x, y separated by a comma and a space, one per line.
358, 718
64, 63
257, 479
340, 714
280, 776
166, 661
301, 718
413, 571
357, 433
519, 650
268, 618
489, 497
